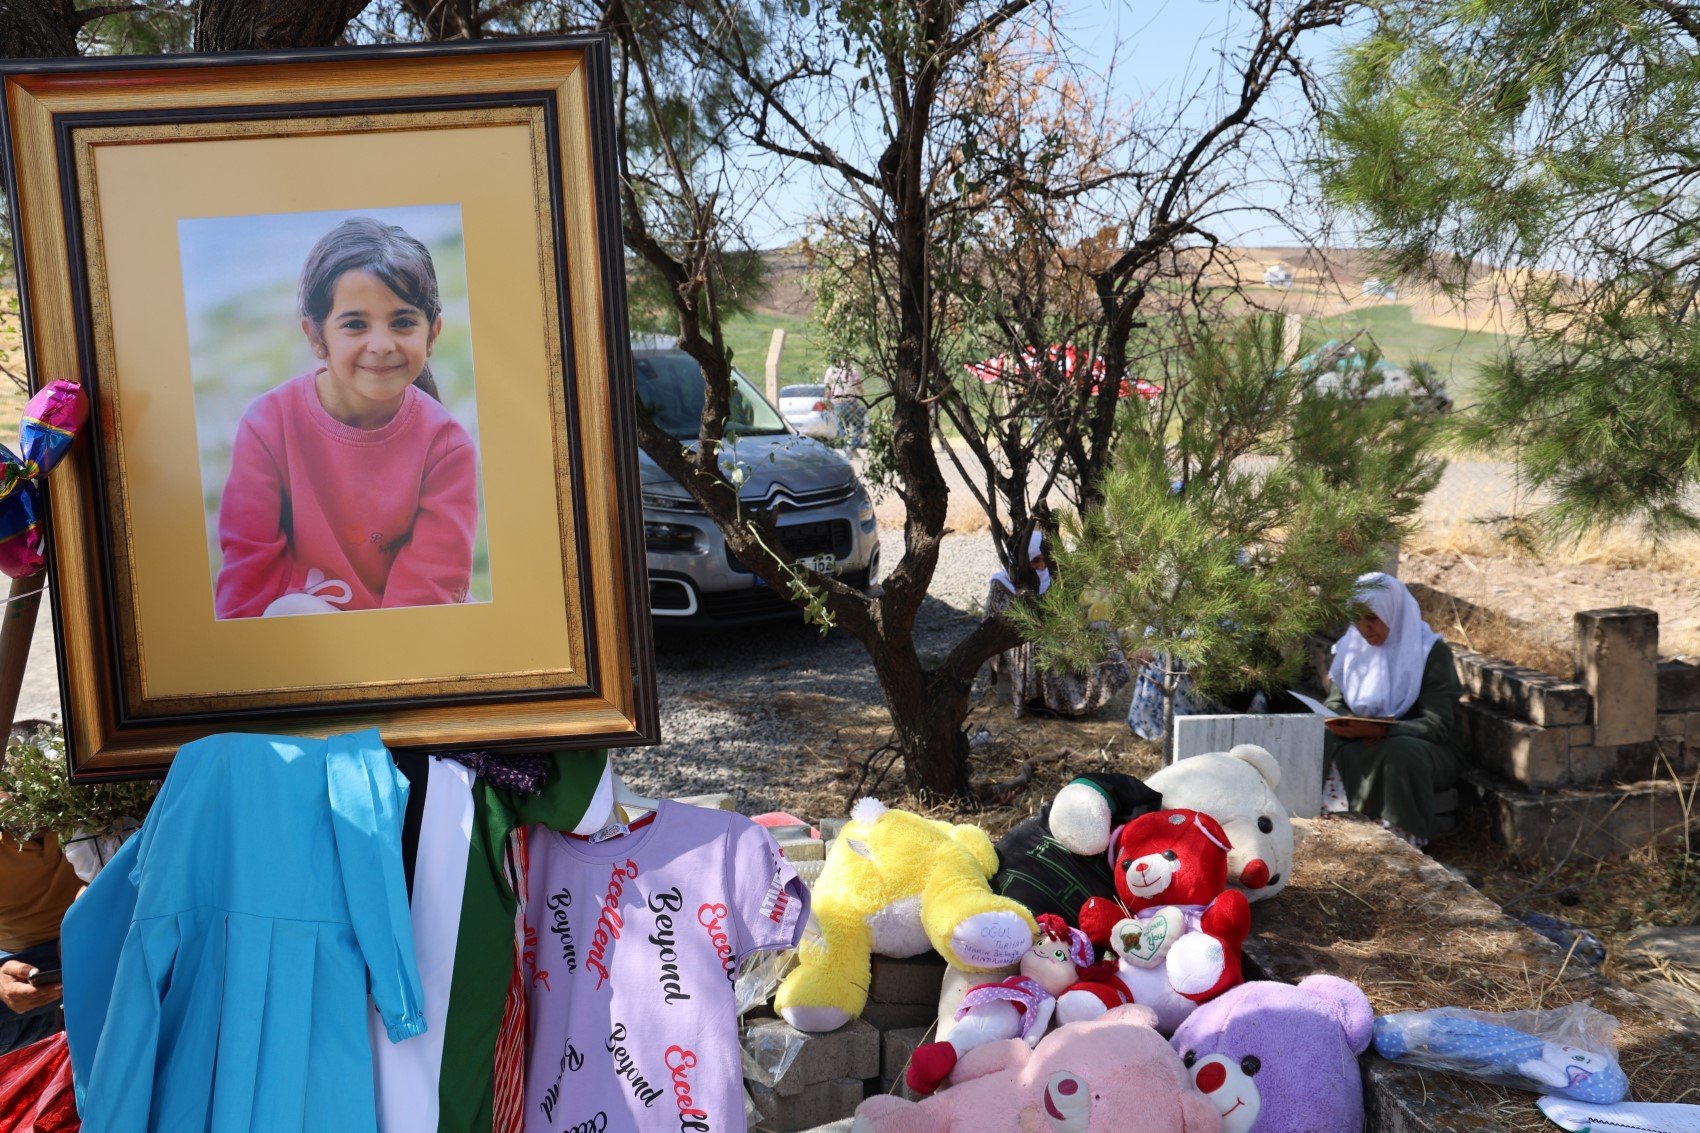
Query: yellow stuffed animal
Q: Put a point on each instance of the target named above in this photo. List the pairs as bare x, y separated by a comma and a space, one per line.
899, 884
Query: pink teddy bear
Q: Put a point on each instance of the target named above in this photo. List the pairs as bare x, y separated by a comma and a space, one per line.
1107, 1075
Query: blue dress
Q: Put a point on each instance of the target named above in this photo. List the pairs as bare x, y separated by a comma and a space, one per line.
268, 900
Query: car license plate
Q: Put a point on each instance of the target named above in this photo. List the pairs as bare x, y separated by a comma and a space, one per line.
820, 564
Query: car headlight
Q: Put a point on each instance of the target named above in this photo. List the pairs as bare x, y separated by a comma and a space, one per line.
669, 536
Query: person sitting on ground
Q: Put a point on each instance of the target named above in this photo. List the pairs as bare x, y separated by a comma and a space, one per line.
37, 885
1390, 664
1058, 692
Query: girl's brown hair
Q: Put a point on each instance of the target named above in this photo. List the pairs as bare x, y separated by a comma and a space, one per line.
389, 253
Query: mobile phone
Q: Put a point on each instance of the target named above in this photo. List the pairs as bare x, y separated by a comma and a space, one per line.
46, 977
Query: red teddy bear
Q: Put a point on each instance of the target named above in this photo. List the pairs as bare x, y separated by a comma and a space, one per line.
1177, 928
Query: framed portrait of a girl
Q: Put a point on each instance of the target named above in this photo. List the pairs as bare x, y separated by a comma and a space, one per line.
351, 326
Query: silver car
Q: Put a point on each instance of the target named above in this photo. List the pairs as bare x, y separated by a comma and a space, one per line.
810, 411
823, 512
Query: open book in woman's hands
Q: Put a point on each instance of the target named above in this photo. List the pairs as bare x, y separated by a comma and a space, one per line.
1328, 713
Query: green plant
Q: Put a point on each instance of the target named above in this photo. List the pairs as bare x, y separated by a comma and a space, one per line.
37, 795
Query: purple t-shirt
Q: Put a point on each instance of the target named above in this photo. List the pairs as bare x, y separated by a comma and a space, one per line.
635, 943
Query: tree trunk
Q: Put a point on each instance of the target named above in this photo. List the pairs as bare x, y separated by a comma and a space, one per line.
241, 25
927, 710
38, 28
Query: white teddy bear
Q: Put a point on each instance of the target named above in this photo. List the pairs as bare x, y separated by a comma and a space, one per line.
1237, 789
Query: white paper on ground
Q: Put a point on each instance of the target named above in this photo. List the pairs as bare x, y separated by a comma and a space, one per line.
1315, 706
1624, 1117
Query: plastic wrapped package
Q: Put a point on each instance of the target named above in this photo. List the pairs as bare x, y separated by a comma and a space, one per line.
1569, 1051
768, 1051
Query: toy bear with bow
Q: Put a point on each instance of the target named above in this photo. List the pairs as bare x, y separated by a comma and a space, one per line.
1176, 927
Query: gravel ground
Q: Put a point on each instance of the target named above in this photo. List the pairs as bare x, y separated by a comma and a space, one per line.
740, 708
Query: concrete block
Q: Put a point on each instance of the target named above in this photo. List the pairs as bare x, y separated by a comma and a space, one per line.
912, 979
1295, 740
852, 1051
803, 849
1583, 823
899, 1016
790, 831
1589, 764
1524, 753
712, 802
1581, 735
1679, 687
1617, 655
1468, 664
1672, 725
831, 828
1637, 762
816, 1105
895, 1049
1531, 695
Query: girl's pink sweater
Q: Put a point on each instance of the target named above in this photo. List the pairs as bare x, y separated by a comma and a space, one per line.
391, 511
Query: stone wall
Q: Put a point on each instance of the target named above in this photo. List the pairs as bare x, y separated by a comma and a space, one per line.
1592, 765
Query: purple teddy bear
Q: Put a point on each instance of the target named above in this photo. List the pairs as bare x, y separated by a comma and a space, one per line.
1275, 1058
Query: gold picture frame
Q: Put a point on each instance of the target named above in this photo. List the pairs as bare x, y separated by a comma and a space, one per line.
161, 207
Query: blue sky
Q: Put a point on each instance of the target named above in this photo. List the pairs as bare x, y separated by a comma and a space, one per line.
1148, 52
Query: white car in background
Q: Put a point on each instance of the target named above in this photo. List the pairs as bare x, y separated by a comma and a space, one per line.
810, 411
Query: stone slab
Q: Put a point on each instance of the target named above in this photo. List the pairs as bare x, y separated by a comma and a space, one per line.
912, 979
1583, 823
1617, 656
852, 1051
1679, 687
1522, 693
816, 1105
1523, 753
1295, 740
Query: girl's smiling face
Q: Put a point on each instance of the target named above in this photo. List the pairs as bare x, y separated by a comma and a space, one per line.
374, 344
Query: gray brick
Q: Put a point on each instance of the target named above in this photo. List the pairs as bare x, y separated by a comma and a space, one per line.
830, 828
1581, 735
1672, 725
1679, 687
1617, 653
898, 1016
913, 979
1525, 753
802, 849
852, 1051
895, 1049
819, 1104
1636, 762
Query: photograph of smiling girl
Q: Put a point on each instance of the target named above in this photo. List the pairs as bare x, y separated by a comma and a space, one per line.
331, 357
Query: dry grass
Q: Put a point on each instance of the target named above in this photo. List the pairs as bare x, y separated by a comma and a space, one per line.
1490, 632
1017, 767
1615, 550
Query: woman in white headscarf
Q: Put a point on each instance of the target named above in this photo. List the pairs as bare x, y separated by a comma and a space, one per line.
1060, 692
1391, 665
